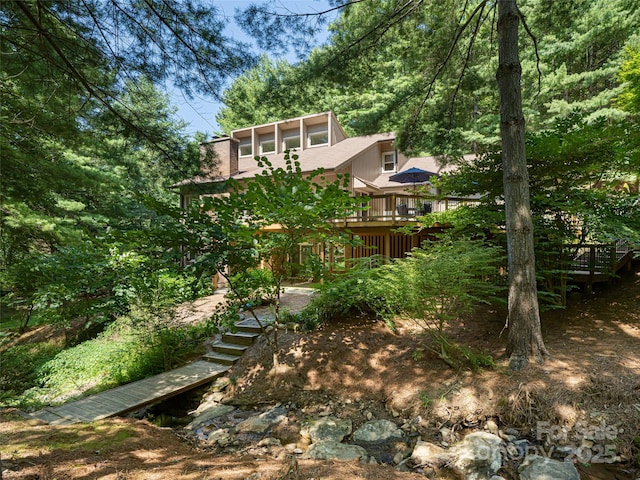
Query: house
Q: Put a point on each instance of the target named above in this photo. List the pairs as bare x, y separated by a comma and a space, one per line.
371, 162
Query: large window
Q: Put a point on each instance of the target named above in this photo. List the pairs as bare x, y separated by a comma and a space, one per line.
291, 140
244, 147
317, 135
389, 161
267, 144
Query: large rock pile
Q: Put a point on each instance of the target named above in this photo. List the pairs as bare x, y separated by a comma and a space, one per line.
283, 430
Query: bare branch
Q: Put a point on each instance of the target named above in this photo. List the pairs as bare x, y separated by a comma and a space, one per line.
445, 62
535, 46
307, 15
466, 60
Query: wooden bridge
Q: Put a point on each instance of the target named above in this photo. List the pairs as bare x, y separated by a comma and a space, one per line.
133, 396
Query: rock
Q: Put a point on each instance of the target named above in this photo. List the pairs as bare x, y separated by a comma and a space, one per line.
327, 428
269, 442
478, 456
586, 443
536, 467
220, 437
425, 453
492, 427
214, 411
329, 450
497, 477
377, 431
220, 384
512, 431
403, 467
398, 457
506, 437
263, 422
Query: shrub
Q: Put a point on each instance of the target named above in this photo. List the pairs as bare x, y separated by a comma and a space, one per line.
442, 281
360, 291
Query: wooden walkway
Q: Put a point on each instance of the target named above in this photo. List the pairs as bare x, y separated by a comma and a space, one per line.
132, 396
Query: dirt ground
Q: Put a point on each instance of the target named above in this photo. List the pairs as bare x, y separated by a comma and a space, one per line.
593, 377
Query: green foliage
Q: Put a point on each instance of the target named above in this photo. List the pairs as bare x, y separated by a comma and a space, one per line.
574, 193
254, 287
361, 291
629, 99
444, 279
437, 284
20, 365
425, 400
94, 282
133, 347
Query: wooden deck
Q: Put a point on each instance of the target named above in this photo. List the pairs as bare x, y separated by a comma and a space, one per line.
599, 263
132, 396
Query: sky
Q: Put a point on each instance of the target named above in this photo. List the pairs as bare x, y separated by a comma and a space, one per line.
200, 112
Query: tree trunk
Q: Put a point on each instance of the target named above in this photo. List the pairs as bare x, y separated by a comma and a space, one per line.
525, 338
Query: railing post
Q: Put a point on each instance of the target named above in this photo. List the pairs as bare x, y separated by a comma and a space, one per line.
592, 267
393, 208
612, 258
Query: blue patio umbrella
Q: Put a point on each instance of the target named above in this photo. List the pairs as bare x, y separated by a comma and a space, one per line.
413, 175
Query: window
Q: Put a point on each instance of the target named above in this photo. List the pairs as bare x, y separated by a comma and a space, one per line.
317, 135
244, 148
389, 162
290, 141
267, 144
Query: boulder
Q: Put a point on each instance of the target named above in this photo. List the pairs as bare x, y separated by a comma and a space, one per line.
377, 431
326, 428
205, 416
329, 450
536, 467
263, 422
478, 456
425, 453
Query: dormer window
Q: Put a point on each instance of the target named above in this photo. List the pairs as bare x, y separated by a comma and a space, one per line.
389, 161
267, 144
244, 147
317, 135
290, 140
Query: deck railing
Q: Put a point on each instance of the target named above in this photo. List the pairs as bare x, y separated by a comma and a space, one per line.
599, 258
404, 207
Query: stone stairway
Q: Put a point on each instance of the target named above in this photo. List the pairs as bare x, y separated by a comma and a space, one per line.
232, 345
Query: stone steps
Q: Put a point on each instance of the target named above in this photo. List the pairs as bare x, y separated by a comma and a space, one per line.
221, 358
240, 338
232, 345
